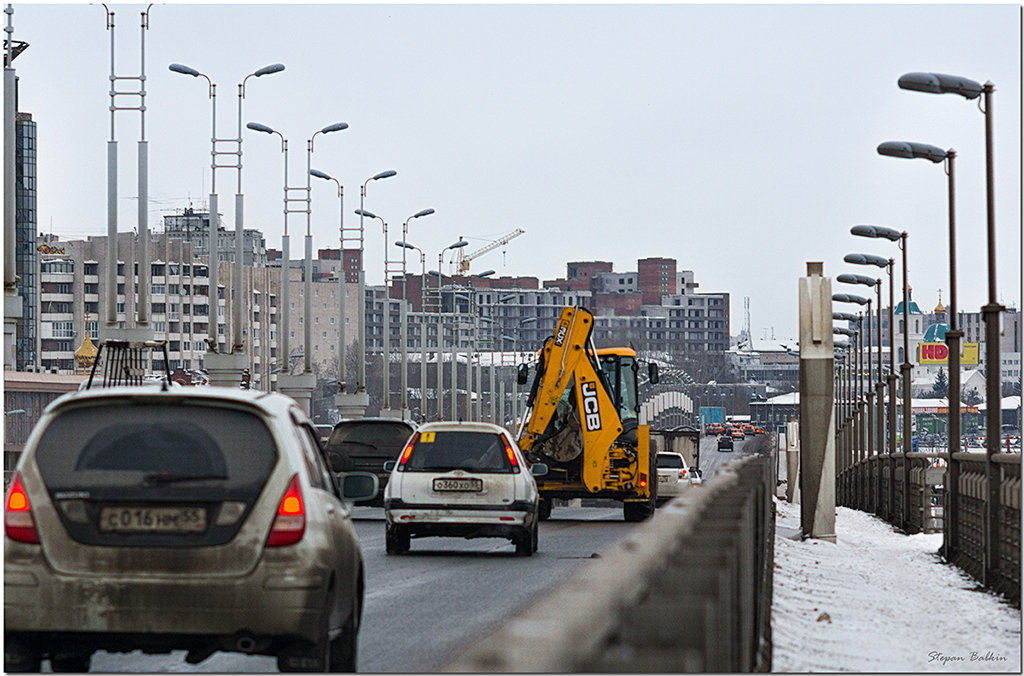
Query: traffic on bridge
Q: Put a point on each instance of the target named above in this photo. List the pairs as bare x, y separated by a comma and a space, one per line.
566, 448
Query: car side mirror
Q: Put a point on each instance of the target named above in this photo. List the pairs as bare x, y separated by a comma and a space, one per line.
538, 469
359, 486
522, 374
652, 373
390, 465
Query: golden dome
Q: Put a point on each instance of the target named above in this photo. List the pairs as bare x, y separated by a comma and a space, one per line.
85, 356
940, 309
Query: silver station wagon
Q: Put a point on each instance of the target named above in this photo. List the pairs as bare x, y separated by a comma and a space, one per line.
203, 519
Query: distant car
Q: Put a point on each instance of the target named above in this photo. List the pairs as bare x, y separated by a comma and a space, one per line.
715, 428
365, 444
461, 479
674, 476
760, 430
725, 443
324, 432
738, 434
196, 518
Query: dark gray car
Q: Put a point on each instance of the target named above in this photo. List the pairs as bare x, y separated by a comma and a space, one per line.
365, 444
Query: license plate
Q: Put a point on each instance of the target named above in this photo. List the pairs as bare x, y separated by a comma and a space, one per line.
153, 519
458, 485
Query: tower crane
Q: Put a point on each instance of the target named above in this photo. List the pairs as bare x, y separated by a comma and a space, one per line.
463, 262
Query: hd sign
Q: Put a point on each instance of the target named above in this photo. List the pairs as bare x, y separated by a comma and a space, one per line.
938, 353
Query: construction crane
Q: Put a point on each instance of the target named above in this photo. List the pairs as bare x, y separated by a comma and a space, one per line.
463, 262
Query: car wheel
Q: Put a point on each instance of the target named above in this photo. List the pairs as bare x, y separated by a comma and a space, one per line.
536, 537
343, 648
544, 509
396, 539
71, 664
20, 656
523, 540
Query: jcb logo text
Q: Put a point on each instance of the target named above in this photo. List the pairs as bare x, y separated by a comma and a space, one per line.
591, 409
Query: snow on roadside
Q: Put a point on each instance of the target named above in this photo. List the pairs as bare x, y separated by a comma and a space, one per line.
877, 601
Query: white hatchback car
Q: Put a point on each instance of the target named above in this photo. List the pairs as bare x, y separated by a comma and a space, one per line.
674, 476
461, 479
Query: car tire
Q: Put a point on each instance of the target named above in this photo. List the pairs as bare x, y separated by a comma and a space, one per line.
536, 537
343, 650
544, 509
19, 656
396, 539
77, 664
523, 540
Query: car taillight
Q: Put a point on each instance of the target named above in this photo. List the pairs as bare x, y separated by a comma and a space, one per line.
407, 451
511, 457
18, 522
643, 481
290, 522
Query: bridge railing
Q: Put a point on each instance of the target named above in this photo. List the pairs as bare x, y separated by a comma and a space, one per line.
988, 552
688, 591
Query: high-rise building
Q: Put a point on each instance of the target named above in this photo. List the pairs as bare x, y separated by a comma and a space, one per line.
26, 260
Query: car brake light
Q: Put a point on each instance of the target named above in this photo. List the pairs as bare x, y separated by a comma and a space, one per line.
643, 481
511, 457
290, 523
18, 522
408, 449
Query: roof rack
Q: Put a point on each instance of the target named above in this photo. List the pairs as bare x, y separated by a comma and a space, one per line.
125, 363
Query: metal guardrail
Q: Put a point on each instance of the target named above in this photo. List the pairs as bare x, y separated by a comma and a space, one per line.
989, 552
689, 590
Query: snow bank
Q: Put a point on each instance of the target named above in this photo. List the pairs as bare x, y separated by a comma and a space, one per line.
881, 601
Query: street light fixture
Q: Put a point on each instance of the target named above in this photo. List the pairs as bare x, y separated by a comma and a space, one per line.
953, 334
361, 291
342, 386
403, 314
235, 155
876, 232
939, 83
876, 433
306, 201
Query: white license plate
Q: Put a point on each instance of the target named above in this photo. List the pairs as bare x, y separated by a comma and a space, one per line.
466, 485
153, 519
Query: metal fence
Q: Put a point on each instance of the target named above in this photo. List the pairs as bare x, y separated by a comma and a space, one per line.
975, 503
688, 591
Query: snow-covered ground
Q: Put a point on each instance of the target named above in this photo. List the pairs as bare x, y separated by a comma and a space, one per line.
879, 601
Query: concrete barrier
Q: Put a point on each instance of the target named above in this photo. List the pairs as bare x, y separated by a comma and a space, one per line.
687, 591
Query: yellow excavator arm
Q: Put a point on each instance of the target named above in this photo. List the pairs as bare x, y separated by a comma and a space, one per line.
572, 415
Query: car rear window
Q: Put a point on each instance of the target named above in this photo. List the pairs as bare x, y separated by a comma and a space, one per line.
376, 434
116, 444
471, 451
670, 461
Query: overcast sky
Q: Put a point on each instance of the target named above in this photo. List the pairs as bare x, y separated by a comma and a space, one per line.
738, 139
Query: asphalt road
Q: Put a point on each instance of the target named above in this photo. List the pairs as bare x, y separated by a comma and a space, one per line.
425, 607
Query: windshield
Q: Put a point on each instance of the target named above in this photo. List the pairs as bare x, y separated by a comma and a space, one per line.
469, 451
620, 374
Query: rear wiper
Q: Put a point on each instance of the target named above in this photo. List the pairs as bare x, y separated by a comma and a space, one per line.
360, 443
165, 478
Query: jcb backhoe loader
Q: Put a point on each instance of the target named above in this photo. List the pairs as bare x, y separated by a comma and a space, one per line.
582, 421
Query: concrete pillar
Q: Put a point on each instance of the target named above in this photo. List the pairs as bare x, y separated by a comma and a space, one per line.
793, 461
299, 387
817, 420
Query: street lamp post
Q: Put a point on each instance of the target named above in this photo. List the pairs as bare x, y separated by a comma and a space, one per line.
440, 331
403, 318
910, 150
853, 414
301, 388
228, 373
938, 83
877, 231
361, 291
341, 276
423, 330
385, 319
